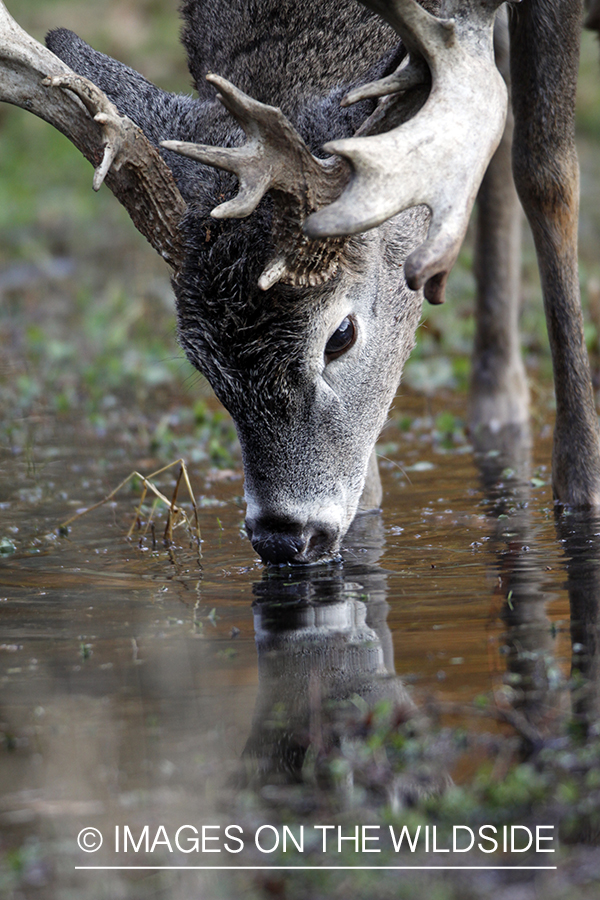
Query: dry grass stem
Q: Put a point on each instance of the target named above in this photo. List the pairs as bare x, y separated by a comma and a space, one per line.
176, 515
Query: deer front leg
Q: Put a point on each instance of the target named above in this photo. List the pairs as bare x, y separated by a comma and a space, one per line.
372, 492
544, 60
499, 396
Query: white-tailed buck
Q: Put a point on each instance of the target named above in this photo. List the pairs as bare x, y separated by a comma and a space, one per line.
321, 182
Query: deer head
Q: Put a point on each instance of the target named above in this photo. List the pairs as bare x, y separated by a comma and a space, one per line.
291, 295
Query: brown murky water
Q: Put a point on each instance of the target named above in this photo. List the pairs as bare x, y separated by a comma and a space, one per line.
138, 688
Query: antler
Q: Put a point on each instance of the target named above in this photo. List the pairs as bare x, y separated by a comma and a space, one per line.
437, 158
275, 159
32, 77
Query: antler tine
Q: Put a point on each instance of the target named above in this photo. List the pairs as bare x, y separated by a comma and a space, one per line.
276, 159
410, 74
254, 181
273, 158
437, 158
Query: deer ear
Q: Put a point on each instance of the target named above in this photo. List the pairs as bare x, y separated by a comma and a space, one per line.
116, 80
67, 46
133, 95
160, 114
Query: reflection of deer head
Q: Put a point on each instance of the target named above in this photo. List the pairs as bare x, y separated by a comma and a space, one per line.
324, 647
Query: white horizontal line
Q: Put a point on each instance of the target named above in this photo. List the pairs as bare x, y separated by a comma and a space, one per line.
371, 868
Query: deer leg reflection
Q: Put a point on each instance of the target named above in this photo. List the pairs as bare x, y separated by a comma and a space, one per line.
536, 689
580, 535
532, 696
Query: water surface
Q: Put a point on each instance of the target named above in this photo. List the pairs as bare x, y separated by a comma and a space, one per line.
140, 685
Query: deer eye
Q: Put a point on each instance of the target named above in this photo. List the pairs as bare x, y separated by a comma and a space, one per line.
341, 340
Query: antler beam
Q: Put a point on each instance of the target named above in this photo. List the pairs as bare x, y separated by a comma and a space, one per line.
32, 77
437, 158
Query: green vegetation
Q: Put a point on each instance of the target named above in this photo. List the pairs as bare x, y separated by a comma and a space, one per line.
386, 770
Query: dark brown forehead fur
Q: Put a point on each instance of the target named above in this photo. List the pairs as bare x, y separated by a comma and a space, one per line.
233, 332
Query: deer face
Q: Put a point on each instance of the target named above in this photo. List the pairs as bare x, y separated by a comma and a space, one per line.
321, 364
308, 375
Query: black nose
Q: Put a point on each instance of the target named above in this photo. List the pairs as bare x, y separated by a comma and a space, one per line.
280, 541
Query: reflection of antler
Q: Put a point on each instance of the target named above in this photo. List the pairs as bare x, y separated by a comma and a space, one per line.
32, 77
437, 158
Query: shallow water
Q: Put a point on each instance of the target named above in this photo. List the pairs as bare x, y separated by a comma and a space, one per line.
139, 686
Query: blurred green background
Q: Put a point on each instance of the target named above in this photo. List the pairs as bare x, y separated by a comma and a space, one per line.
86, 317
